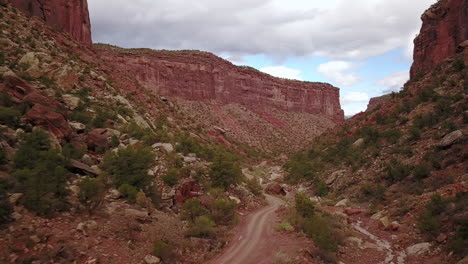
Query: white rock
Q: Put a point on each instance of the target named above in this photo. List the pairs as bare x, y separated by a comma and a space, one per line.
235, 199
358, 143
418, 249
136, 214
190, 159
79, 127
71, 101
14, 198
343, 202
166, 146
451, 138
150, 259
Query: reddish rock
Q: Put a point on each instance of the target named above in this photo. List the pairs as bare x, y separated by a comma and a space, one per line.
203, 76
16, 87
99, 138
350, 211
49, 120
444, 29
187, 190
70, 15
377, 101
275, 189
37, 98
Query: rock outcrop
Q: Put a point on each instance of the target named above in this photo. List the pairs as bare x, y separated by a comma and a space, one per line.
376, 101
444, 29
195, 75
71, 16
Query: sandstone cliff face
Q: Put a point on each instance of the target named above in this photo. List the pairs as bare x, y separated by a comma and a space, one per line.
70, 15
444, 28
203, 76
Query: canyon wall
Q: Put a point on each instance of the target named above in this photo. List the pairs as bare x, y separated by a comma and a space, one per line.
196, 75
71, 16
444, 28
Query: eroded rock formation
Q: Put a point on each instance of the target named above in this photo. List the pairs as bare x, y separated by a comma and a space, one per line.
71, 16
197, 75
444, 29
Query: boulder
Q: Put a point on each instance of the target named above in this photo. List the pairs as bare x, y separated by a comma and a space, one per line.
235, 199
342, 203
77, 126
51, 121
418, 249
188, 189
335, 175
451, 138
86, 159
14, 198
350, 211
81, 167
150, 259
136, 214
166, 146
71, 101
358, 143
190, 159
275, 189
99, 138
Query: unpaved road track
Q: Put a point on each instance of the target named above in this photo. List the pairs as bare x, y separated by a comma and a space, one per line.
253, 242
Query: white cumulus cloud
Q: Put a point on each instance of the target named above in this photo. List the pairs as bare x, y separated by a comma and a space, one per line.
355, 97
394, 81
340, 72
283, 72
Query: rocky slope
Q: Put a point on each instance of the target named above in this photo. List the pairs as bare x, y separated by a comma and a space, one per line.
70, 16
444, 29
403, 163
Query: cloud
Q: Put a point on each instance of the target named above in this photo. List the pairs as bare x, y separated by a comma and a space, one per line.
283, 72
352, 109
341, 29
340, 72
394, 81
355, 97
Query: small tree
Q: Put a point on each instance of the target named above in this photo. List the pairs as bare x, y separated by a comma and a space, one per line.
192, 209
171, 177
225, 171
129, 166
304, 206
91, 193
224, 211
202, 227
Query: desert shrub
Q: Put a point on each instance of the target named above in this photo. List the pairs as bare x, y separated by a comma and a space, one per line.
225, 171
428, 221
187, 144
69, 151
40, 173
163, 250
422, 171
320, 188
253, 185
9, 116
299, 167
192, 209
224, 211
5, 207
285, 226
414, 133
373, 191
141, 199
370, 134
115, 142
458, 65
128, 191
2, 55
3, 157
397, 171
91, 193
460, 239
202, 227
101, 116
304, 206
171, 177
392, 135
81, 116
432, 160
129, 166
317, 228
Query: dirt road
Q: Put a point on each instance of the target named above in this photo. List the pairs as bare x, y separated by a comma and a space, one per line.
256, 240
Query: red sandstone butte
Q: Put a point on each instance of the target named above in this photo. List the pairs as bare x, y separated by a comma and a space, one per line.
444, 28
196, 75
377, 101
70, 15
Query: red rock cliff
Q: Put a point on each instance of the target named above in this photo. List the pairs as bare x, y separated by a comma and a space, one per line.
444, 28
70, 15
203, 76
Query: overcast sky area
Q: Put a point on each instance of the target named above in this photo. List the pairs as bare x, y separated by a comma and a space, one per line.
363, 47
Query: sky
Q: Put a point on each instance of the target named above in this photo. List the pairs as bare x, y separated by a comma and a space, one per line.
363, 47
